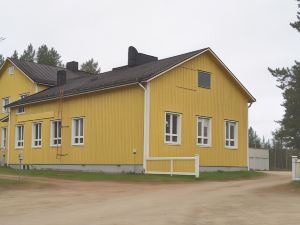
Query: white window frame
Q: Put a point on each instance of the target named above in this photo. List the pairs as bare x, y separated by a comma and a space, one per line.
52, 138
171, 135
21, 107
17, 138
11, 70
209, 136
3, 138
73, 132
37, 142
235, 138
5, 110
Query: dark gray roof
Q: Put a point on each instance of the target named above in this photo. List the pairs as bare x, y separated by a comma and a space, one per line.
44, 74
114, 78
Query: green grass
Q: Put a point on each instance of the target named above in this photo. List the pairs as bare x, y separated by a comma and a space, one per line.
13, 184
295, 184
131, 177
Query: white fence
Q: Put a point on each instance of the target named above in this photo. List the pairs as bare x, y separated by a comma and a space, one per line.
295, 168
171, 170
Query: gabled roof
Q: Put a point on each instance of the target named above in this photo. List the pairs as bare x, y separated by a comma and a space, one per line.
116, 78
43, 74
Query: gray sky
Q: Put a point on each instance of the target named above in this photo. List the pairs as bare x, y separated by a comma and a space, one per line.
248, 36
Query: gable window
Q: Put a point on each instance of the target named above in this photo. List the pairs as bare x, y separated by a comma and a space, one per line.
204, 131
3, 137
231, 134
77, 131
37, 135
21, 109
172, 128
204, 79
11, 70
56, 133
19, 136
5, 102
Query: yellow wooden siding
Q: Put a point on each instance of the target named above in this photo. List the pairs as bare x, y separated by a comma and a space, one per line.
113, 128
13, 86
178, 91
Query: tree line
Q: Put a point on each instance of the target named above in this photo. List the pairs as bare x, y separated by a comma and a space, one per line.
286, 139
50, 56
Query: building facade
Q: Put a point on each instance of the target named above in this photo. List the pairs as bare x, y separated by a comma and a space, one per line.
182, 106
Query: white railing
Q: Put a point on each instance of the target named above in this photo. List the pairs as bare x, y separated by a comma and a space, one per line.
171, 171
295, 168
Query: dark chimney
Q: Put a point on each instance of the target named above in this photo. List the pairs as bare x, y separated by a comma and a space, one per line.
61, 77
72, 66
135, 58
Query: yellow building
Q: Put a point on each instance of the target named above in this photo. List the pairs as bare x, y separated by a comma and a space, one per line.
151, 115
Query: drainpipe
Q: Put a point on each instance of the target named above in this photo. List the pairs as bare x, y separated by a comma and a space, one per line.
248, 159
146, 121
8, 138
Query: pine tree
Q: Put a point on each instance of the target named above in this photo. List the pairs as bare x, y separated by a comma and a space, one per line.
254, 140
296, 24
48, 57
28, 54
15, 55
90, 66
1, 60
289, 83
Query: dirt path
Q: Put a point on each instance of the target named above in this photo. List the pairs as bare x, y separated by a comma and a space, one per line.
210, 203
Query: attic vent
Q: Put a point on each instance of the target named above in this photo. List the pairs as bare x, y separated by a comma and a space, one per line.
11, 70
204, 79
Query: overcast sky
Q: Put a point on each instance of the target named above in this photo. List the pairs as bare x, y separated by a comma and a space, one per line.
249, 36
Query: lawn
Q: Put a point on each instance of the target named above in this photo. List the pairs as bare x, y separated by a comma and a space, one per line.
131, 177
295, 184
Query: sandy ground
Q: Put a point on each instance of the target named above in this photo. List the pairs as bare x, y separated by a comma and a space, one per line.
257, 201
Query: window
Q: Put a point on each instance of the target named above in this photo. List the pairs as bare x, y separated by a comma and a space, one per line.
37, 135
55, 133
231, 133
21, 109
172, 129
19, 136
77, 131
203, 79
11, 70
5, 101
204, 131
3, 137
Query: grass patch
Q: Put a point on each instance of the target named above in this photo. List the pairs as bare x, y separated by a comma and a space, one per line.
15, 184
295, 184
131, 177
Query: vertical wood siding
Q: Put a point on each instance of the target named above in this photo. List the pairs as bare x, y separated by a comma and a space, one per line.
178, 91
113, 128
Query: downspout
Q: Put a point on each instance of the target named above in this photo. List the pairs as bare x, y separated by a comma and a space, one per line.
146, 121
8, 137
248, 159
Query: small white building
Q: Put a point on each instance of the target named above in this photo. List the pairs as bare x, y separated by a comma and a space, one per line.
258, 159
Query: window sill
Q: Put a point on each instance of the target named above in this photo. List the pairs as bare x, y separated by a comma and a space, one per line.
19, 148
36, 147
204, 146
78, 145
231, 148
172, 144
20, 113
